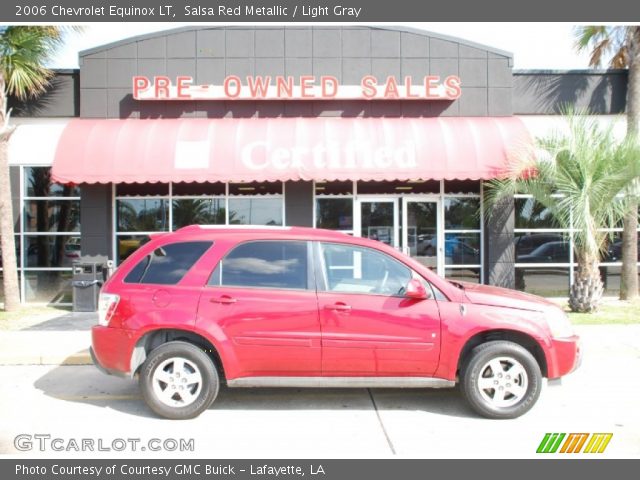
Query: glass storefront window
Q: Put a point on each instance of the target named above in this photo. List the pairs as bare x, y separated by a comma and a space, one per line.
48, 286
142, 215
531, 214
334, 213
127, 244
52, 216
37, 183
462, 213
377, 221
45, 259
255, 211
471, 275
55, 251
202, 211
462, 249
549, 247
543, 281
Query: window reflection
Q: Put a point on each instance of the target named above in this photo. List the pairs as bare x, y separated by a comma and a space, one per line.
462, 213
201, 211
142, 215
334, 213
531, 214
52, 216
255, 211
37, 183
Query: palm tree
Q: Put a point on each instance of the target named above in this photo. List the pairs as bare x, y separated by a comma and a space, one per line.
622, 45
589, 170
23, 52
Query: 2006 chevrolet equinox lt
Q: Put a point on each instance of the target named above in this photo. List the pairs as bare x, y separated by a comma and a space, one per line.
301, 307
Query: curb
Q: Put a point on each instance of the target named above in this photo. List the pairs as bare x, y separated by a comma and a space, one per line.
79, 358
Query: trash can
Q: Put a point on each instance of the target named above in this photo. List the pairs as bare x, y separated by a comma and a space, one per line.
89, 273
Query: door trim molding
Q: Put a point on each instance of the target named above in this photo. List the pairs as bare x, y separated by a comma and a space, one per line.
342, 382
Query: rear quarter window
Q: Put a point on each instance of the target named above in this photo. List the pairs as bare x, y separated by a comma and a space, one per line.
167, 265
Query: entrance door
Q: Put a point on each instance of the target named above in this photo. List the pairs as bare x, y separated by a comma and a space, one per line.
422, 234
377, 218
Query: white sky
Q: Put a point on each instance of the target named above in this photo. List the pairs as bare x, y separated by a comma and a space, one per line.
534, 45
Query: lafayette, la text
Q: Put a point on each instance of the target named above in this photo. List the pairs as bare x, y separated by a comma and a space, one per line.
312, 11
166, 470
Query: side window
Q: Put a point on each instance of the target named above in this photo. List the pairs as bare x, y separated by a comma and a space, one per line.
267, 264
353, 269
167, 265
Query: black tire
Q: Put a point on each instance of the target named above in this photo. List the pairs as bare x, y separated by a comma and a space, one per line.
198, 396
506, 405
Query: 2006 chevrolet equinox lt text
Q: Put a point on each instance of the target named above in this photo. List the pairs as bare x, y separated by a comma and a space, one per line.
302, 307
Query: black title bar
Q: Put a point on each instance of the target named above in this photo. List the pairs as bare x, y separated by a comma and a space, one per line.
16, 469
283, 11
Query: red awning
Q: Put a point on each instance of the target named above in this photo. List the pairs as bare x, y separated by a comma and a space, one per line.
280, 149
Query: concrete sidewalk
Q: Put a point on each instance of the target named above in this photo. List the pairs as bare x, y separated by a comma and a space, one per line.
59, 340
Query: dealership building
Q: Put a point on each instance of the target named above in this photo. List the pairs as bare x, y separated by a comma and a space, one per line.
382, 132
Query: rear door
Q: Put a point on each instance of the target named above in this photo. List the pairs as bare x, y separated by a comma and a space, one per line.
261, 298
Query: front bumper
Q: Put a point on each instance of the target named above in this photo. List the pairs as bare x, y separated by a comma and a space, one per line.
565, 356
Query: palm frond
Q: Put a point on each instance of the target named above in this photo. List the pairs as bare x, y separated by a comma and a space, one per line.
24, 51
604, 42
577, 177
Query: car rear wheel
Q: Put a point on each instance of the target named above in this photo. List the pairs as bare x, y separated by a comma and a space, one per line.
178, 380
501, 380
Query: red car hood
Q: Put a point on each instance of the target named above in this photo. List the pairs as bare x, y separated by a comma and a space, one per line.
504, 297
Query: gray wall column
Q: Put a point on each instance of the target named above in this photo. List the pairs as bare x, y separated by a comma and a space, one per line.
95, 215
298, 203
499, 245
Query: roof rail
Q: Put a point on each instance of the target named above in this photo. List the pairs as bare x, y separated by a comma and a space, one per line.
233, 227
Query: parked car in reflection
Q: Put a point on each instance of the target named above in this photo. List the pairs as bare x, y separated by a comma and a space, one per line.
528, 242
614, 252
458, 252
550, 252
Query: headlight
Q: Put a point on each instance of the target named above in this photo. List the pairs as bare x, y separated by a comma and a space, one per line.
559, 324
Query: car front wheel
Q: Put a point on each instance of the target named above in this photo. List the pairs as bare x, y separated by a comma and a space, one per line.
501, 380
178, 380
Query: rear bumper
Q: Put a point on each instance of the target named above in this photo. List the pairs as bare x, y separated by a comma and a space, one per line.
111, 349
564, 356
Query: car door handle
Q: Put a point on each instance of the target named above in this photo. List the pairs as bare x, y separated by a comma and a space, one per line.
339, 307
226, 299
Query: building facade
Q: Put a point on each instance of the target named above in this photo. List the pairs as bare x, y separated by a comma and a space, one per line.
381, 132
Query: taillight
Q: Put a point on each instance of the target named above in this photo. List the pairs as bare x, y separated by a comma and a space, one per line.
107, 304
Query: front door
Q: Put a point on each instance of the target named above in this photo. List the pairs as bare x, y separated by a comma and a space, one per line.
377, 218
422, 237
369, 328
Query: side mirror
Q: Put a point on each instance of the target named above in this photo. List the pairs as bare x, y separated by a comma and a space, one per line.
416, 290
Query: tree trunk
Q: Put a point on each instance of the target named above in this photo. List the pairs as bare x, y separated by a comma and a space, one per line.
7, 237
587, 287
629, 273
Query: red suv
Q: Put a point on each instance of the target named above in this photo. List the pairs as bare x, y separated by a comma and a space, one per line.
300, 307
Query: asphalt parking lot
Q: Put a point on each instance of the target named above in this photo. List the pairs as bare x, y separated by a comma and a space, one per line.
76, 402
